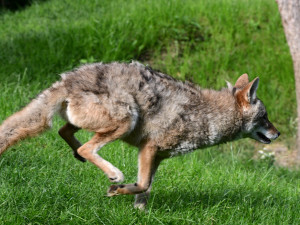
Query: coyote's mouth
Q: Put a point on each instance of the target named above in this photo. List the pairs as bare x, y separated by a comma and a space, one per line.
263, 138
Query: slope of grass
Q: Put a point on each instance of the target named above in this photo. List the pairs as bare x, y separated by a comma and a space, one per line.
206, 42
203, 41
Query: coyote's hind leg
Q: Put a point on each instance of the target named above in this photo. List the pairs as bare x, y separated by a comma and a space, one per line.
89, 151
67, 133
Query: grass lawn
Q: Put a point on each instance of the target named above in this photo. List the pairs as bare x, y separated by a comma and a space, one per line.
206, 42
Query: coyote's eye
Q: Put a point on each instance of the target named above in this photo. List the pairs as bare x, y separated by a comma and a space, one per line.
265, 116
265, 121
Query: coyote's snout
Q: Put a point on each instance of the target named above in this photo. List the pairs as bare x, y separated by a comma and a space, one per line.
161, 116
265, 131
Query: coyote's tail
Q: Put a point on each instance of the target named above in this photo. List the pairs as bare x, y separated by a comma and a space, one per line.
33, 118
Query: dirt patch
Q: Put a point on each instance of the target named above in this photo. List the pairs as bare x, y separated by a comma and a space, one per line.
282, 156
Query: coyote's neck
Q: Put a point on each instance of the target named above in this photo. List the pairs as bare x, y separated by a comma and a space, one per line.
224, 119
211, 119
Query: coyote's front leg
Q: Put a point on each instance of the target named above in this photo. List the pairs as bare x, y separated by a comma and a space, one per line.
141, 200
148, 162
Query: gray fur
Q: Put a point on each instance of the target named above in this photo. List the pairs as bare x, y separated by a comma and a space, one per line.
161, 116
176, 115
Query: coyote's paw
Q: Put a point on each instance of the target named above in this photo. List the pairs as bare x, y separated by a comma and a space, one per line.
79, 157
116, 177
140, 206
113, 190
141, 200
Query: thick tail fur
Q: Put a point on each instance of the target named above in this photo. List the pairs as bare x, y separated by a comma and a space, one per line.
34, 118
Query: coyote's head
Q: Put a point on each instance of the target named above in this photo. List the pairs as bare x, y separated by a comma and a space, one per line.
256, 124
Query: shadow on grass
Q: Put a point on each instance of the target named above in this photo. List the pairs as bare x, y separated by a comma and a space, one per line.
14, 5
229, 197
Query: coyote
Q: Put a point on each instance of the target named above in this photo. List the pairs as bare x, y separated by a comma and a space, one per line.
161, 116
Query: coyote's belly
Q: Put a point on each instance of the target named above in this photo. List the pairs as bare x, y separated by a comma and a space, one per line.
183, 148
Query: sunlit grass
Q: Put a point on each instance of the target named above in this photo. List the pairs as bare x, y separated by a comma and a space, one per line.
206, 42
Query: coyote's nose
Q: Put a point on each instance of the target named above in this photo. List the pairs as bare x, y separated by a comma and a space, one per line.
278, 134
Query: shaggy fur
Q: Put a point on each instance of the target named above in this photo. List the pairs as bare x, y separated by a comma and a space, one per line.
161, 116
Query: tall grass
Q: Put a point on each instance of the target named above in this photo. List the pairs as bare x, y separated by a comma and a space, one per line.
207, 42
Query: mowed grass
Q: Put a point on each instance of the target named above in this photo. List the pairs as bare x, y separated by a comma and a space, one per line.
45, 185
207, 42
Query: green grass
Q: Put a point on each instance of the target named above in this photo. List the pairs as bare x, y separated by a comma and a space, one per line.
207, 42
41, 183
203, 41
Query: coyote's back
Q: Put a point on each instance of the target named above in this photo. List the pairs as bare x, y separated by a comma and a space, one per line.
161, 116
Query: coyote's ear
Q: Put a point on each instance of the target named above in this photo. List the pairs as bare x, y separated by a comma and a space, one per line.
242, 81
229, 85
249, 91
